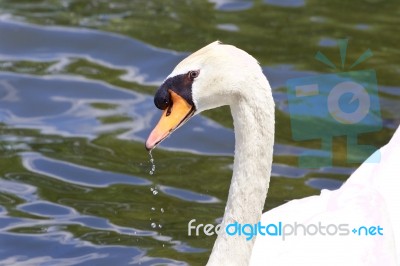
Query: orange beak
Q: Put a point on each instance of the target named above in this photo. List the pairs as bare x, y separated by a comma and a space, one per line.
172, 117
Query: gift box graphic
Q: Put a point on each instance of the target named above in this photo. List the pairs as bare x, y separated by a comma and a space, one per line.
339, 104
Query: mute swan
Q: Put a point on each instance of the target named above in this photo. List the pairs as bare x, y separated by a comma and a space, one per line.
220, 74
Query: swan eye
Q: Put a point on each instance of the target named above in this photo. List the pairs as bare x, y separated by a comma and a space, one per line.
194, 74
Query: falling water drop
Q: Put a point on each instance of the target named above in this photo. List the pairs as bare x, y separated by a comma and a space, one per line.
153, 225
153, 166
154, 191
162, 210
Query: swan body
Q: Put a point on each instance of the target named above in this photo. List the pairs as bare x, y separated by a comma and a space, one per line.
220, 74
370, 197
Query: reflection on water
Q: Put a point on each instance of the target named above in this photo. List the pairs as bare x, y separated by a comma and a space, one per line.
71, 173
76, 106
286, 3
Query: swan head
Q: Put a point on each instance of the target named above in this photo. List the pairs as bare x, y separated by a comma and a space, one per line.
213, 76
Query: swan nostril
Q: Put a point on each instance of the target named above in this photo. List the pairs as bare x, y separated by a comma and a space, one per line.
169, 110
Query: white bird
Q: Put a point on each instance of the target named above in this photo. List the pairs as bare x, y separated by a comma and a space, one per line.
220, 74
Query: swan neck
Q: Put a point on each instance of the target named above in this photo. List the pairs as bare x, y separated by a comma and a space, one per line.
254, 137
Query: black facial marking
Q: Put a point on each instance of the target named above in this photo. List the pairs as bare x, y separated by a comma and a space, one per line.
180, 84
162, 99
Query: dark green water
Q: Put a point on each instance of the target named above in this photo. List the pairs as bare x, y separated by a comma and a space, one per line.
76, 86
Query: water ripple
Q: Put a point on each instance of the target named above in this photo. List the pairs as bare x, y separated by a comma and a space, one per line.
23, 191
143, 63
77, 174
188, 195
43, 208
59, 244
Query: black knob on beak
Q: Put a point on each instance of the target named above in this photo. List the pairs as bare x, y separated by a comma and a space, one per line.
162, 99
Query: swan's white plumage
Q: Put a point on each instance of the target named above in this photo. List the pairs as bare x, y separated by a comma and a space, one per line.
370, 197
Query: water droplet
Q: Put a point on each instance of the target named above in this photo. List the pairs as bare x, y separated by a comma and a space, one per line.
162, 210
153, 209
155, 192
163, 245
153, 166
153, 225
159, 226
